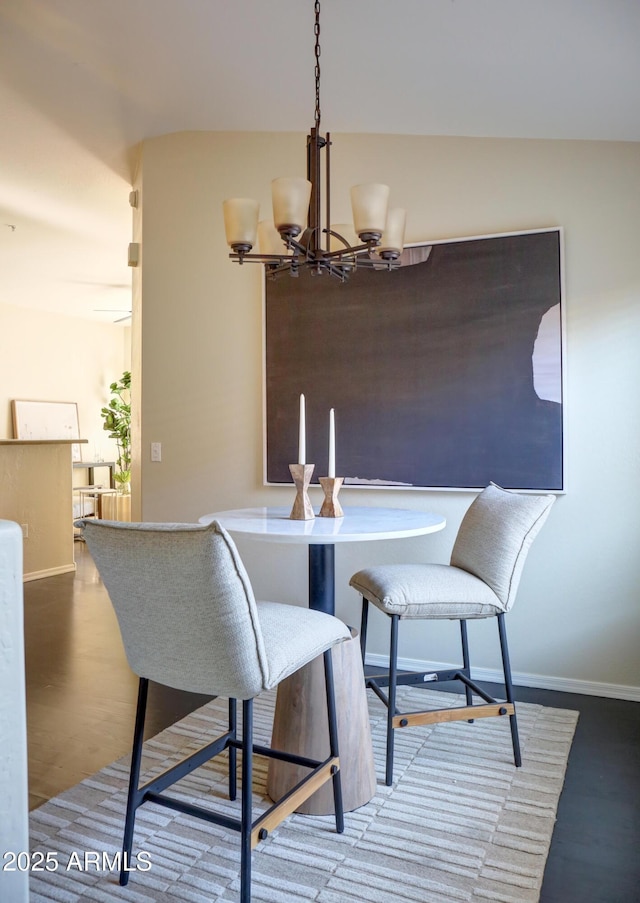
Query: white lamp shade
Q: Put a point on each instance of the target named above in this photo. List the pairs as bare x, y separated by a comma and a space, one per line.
270, 240
240, 222
347, 231
290, 198
369, 203
393, 236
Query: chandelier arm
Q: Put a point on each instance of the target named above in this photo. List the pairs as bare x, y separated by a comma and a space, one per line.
351, 249
260, 258
275, 264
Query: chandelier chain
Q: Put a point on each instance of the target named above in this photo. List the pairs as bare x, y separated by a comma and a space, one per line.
316, 31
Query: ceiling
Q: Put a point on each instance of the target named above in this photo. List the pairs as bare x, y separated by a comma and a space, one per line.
82, 82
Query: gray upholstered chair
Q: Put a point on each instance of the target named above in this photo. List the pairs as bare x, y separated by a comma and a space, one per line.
481, 581
189, 620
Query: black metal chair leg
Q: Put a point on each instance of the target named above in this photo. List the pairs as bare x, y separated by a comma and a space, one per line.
508, 685
333, 739
363, 627
466, 663
246, 804
233, 753
391, 708
134, 778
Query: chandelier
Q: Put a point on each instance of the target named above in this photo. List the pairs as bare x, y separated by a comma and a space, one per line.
300, 234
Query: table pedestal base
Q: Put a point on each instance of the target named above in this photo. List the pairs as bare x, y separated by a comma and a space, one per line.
300, 726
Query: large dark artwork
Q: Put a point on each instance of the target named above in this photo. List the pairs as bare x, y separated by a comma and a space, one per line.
445, 373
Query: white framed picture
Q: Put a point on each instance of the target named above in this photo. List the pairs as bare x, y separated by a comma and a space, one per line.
47, 420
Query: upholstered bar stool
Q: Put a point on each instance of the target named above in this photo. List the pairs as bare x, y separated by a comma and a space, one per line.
481, 581
189, 620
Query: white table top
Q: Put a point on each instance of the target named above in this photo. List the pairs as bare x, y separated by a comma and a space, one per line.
357, 525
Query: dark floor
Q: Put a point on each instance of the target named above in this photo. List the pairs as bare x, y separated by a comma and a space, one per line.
81, 704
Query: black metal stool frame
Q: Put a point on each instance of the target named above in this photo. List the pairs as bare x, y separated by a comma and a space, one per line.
251, 832
470, 712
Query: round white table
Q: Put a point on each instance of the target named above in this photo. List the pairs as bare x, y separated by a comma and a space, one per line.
300, 716
322, 533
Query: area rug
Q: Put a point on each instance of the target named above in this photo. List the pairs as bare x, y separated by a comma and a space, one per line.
460, 823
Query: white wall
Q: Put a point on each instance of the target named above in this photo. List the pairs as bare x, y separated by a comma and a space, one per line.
50, 357
577, 620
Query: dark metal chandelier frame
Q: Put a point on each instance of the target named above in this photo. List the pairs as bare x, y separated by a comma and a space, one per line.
306, 248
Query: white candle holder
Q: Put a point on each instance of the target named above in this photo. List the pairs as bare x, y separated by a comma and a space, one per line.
301, 474
331, 507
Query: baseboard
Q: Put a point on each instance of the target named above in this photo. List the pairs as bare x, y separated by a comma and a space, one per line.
520, 679
49, 572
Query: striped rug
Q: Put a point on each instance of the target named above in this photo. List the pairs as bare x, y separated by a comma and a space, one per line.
461, 823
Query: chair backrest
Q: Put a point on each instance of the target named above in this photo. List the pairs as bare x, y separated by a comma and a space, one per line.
184, 604
495, 537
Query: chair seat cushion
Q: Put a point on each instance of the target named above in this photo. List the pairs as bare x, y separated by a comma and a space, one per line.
294, 635
427, 591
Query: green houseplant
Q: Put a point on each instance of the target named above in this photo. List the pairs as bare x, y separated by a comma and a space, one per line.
117, 422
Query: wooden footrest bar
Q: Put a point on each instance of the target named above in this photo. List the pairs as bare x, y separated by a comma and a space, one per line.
292, 800
461, 713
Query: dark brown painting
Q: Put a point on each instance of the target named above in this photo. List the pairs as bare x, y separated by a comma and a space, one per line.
445, 373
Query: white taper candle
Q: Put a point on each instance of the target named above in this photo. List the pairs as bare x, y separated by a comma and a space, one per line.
331, 472
302, 441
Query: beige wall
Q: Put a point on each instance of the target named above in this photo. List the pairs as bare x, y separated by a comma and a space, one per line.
577, 621
50, 357
36, 493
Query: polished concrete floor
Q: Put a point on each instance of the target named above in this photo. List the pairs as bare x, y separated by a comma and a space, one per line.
81, 704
